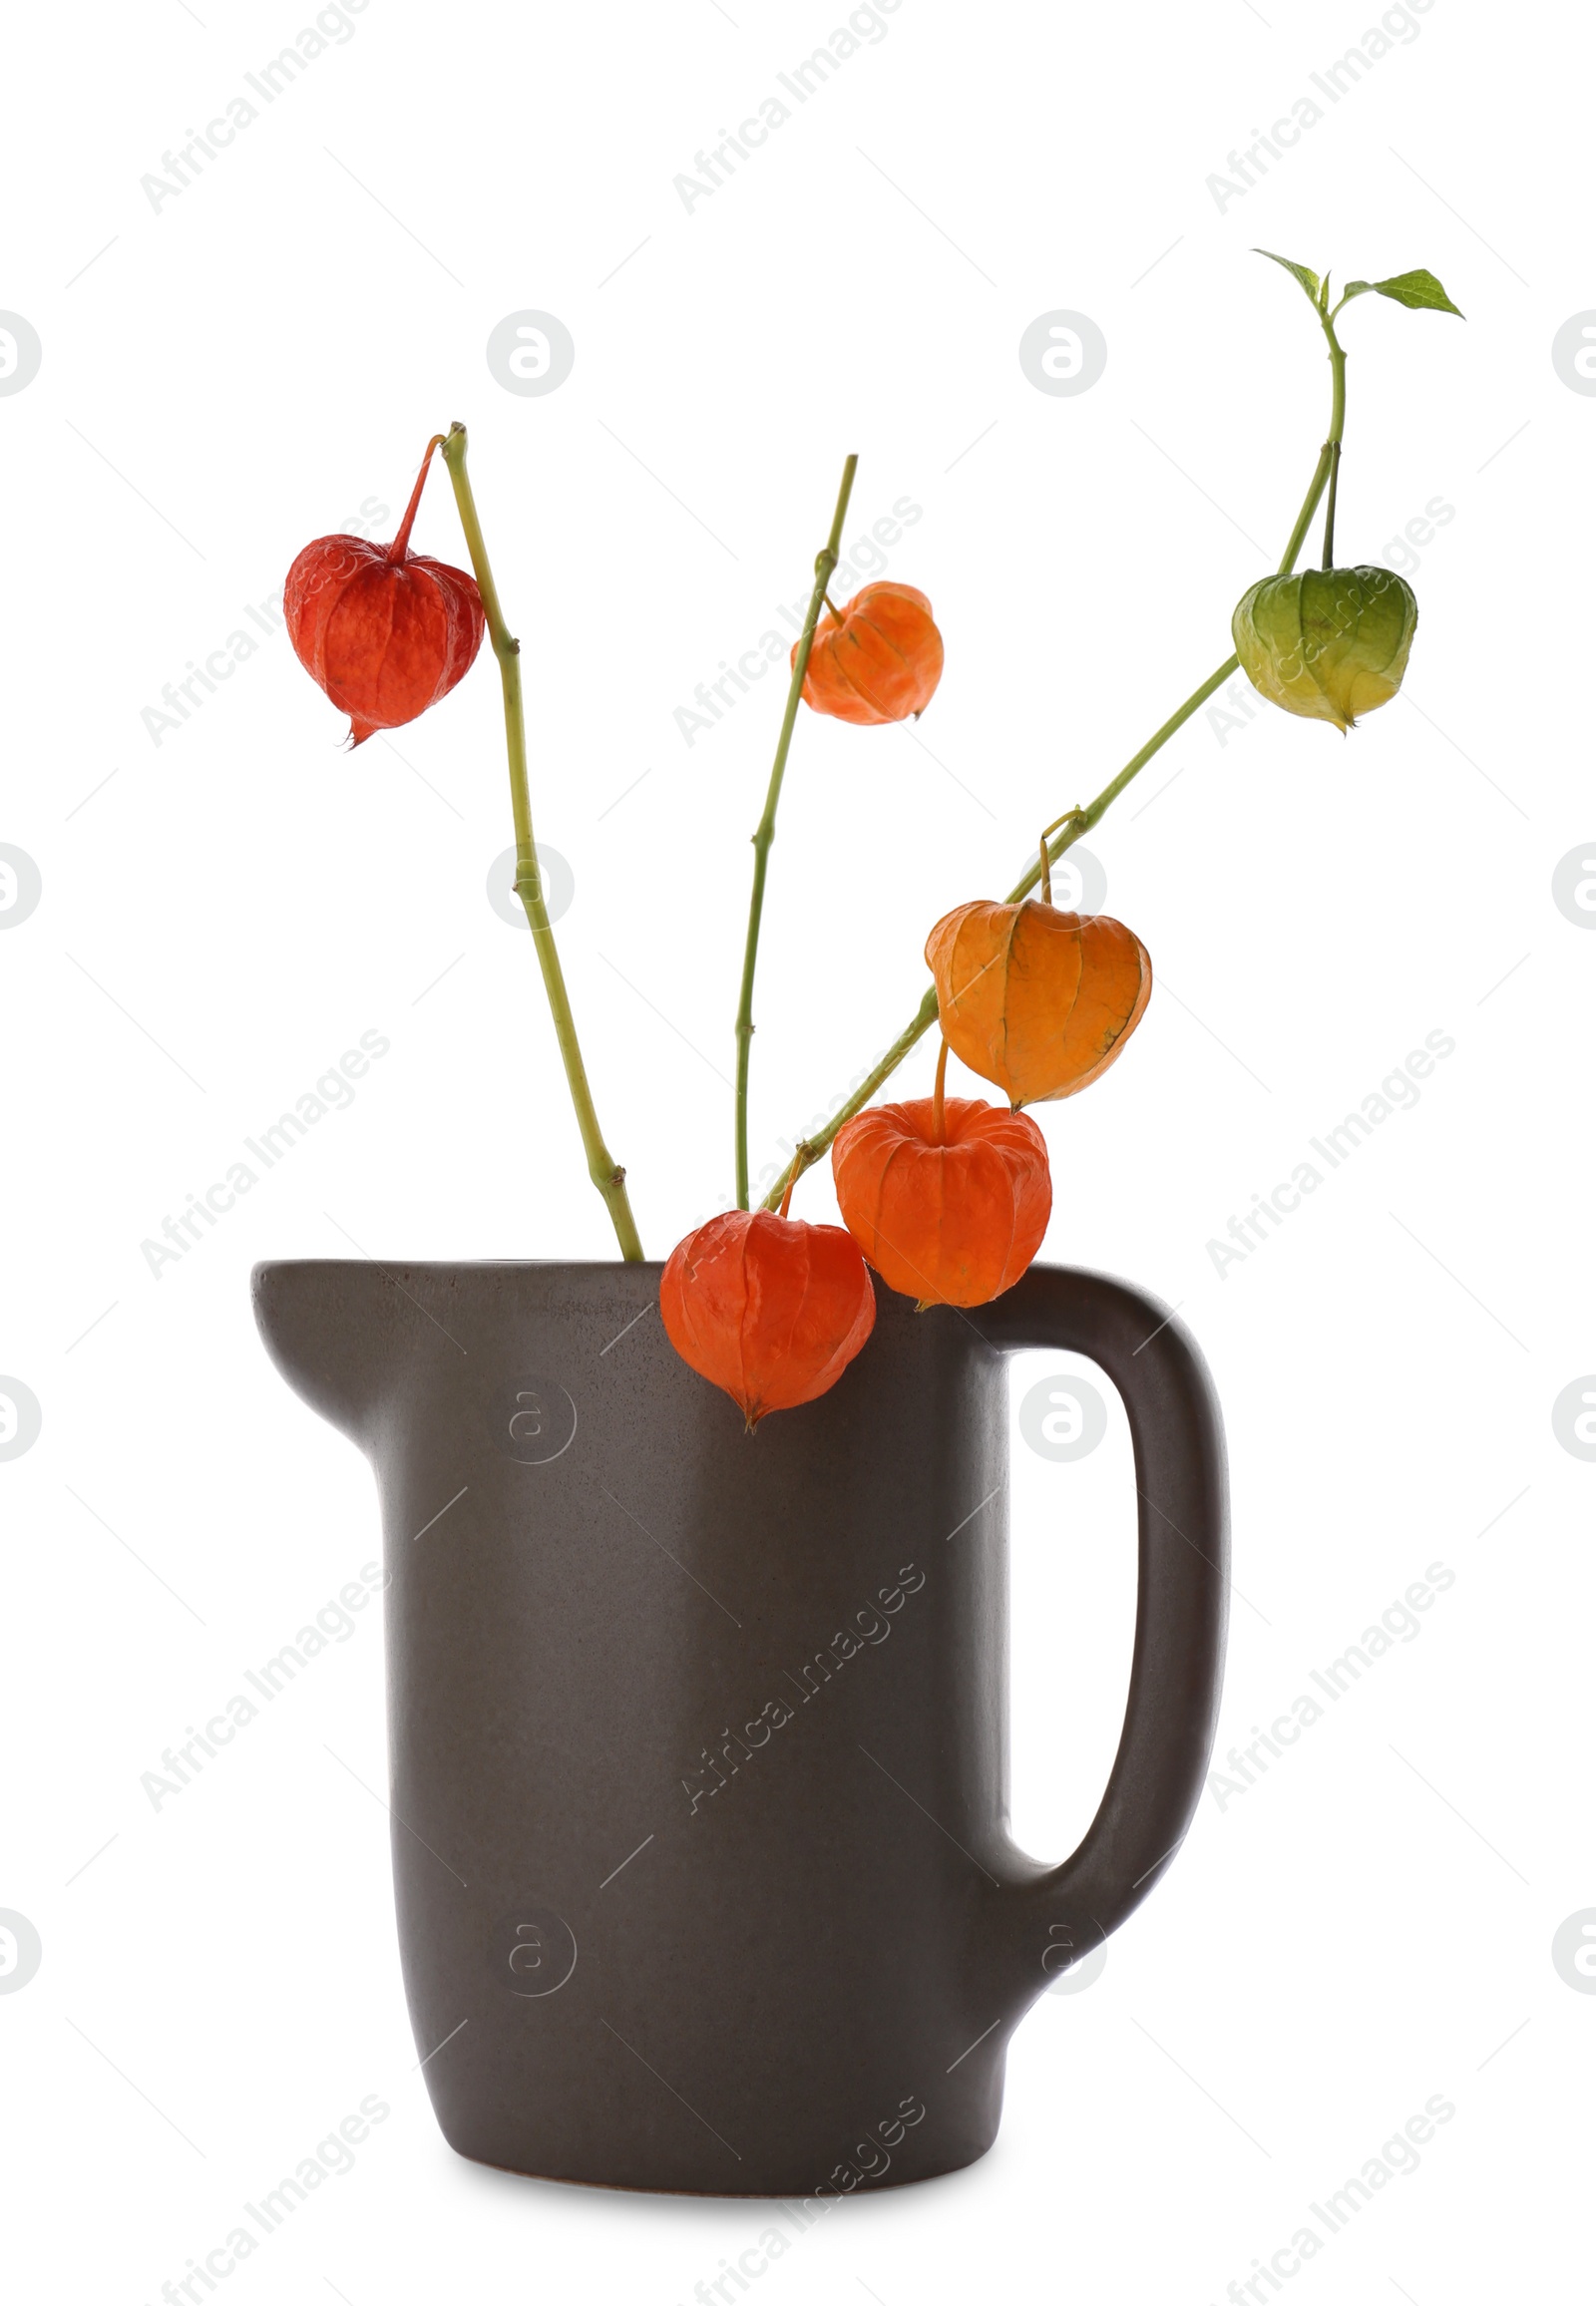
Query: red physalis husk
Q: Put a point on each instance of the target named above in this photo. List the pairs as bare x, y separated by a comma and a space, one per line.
386, 632
768, 1308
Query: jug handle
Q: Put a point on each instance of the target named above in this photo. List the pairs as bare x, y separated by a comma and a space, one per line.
1052, 1917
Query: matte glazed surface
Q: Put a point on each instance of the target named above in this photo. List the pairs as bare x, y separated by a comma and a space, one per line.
698, 1738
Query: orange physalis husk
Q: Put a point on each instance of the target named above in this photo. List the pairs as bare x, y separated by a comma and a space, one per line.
954, 1223
768, 1308
1037, 1000
879, 661
384, 632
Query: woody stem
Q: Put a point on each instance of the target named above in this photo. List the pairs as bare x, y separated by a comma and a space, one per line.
605, 1172
1067, 829
765, 832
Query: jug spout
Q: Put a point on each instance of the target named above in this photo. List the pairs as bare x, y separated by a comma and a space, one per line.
325, 1323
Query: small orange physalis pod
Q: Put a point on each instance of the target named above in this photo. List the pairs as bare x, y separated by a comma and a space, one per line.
1038, 1002
879, 661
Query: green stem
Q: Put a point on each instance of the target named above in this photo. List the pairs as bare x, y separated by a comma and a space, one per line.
1069, 828
1329, 559
1078, 821
1075, 823
1329, 464
607, 1174
765, 832
812, 1148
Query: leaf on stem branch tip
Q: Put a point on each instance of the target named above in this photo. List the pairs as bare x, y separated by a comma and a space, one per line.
1308, 281
1420, 291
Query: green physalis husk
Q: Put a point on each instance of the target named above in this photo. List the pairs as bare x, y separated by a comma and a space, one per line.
1329, 643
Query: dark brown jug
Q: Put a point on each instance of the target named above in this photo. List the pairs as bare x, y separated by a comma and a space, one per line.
698, 1740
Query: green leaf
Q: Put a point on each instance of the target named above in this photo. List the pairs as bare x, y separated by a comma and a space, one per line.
1420, 291
1307, 281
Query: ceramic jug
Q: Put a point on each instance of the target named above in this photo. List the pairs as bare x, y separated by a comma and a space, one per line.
699, 1737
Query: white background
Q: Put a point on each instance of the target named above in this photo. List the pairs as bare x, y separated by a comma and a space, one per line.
233, 373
